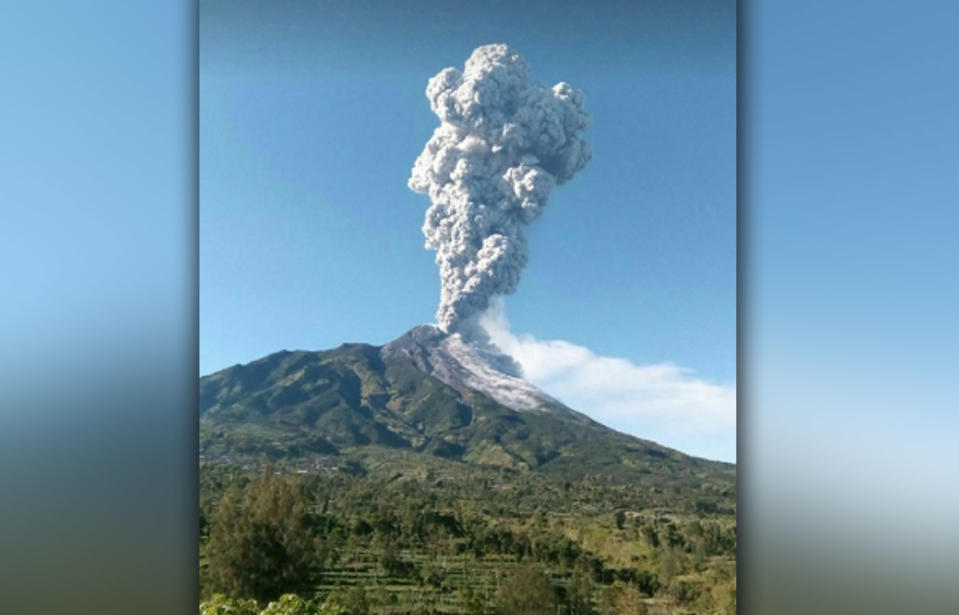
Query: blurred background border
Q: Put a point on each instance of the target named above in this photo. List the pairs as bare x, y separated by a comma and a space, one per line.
848, 295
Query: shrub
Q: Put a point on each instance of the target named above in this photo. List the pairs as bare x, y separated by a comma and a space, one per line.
351, 601
262, 540
219, 604
290, 604
622, 599
527, 592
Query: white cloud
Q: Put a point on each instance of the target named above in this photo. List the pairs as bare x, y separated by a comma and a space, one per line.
663, 402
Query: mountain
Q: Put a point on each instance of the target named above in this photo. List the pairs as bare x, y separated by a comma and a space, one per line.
425, 397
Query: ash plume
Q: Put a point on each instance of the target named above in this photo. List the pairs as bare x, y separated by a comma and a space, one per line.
502, 145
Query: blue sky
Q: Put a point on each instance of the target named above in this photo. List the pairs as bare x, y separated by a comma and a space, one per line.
311, 115
849, 338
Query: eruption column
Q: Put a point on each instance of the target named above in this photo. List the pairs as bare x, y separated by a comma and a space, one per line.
503, 143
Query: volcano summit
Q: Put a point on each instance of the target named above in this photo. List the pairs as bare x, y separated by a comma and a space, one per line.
427, 393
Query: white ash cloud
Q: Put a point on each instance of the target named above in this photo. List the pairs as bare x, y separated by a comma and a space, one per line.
503, 144
663, 402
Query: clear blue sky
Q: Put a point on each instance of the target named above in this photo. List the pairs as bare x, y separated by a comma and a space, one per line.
312, 113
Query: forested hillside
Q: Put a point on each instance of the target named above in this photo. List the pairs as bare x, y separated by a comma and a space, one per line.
378, 480
436, 541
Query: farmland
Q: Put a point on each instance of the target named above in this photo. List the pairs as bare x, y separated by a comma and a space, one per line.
456, 539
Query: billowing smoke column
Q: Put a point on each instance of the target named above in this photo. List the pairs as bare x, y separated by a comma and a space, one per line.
502, 145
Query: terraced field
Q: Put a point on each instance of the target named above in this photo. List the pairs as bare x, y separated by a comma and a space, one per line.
442, 537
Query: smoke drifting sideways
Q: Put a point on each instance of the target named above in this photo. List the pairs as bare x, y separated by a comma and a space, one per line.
502, 145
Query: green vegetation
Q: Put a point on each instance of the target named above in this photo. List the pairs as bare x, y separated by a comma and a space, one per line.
321, 410
263, 540
481, 542
350, 482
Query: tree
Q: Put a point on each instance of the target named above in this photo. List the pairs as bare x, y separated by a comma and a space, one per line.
527, 592
350, 601
290, 604
262, 540
388, 556
669, 565
579, 593
620, 519
473, 602
652, 538
623, 599
218, 604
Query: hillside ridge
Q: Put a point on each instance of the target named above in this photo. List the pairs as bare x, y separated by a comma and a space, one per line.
427, 392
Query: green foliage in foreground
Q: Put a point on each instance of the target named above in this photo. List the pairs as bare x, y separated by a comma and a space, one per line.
287, 604
478, 543
219, 604
263, 541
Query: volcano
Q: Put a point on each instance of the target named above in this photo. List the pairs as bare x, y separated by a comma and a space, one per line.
471, 366
426, 395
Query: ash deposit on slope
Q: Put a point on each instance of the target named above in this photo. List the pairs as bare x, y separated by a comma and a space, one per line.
470, 364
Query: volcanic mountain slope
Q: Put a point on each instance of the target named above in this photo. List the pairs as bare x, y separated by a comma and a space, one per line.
425, 393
